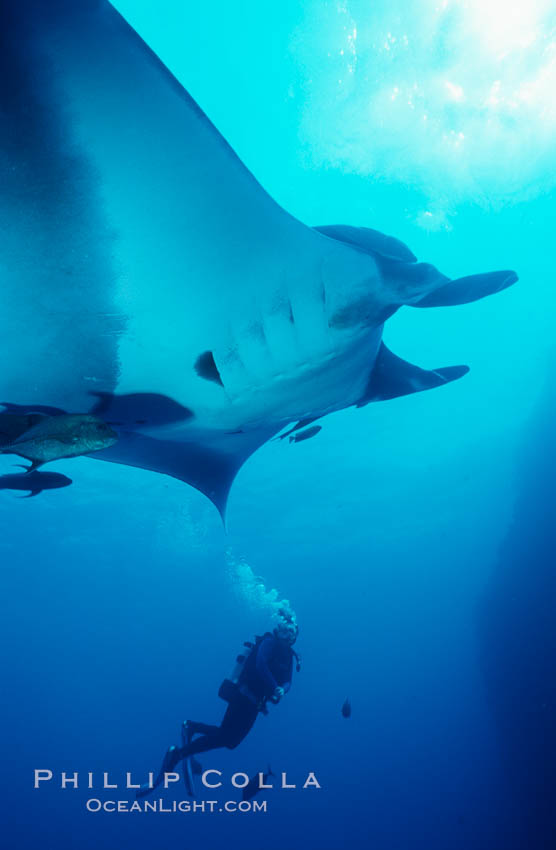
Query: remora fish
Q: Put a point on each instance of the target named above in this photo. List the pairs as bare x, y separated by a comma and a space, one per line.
56, 437
299, 436
254, 785
34, 482
142, 261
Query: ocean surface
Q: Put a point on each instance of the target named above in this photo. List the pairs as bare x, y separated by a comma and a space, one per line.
413, 538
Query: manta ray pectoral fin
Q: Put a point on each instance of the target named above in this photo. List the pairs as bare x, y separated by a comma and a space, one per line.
393, 377
467, 289
369, 240
208, 466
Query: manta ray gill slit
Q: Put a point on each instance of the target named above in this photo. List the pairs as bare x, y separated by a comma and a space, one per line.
206, 368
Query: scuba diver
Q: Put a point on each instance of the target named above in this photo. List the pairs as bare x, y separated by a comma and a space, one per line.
263, 673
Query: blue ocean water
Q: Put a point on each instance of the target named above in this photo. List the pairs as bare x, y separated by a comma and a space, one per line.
413, 538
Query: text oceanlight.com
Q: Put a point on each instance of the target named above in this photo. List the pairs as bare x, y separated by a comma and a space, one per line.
175, 806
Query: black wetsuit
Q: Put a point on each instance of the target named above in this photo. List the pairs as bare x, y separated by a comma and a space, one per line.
268, 667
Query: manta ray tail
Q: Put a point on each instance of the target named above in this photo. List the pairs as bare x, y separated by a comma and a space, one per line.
393, 377
413, 283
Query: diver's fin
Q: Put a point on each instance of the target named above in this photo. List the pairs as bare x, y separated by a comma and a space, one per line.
209, 467
369, 240
393, 377
467, 289
168, 764
144, 790
186, 763
196, 766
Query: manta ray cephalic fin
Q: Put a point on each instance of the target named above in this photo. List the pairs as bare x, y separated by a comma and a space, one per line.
369, 240
413, 283
464, 290
393, 377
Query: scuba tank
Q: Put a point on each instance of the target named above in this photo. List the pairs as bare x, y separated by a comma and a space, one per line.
235, 684
230, 686
241, 659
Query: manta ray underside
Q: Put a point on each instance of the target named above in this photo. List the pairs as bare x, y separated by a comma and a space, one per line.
150, 280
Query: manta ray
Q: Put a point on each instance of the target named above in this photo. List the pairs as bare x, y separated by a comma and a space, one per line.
147, 277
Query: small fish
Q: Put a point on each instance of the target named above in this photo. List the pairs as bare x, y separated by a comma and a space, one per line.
346, 709
299, 436
254, 785
34, 482
297, 427
56, 437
